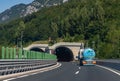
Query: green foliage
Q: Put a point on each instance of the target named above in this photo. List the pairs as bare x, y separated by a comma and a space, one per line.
0, 51
95, 22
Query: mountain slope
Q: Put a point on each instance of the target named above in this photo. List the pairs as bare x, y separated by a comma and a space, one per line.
22, 10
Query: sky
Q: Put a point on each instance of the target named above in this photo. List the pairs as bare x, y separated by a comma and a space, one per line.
6, 4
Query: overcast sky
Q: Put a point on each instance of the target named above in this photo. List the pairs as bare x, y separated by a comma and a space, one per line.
6, 4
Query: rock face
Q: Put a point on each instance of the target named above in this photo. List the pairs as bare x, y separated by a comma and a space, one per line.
22, 10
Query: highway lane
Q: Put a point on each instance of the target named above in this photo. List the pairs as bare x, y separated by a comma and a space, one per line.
70, 71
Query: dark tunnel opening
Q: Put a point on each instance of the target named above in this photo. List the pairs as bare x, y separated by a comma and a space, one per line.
36, 49
64, 54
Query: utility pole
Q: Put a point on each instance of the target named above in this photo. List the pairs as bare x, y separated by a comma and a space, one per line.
93, 44
21, 29
22, 41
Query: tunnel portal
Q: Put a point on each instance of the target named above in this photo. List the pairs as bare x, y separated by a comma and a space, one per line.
36, 49
64, 54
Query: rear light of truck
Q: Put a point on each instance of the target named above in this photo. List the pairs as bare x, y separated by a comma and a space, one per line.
94, 62
84, 62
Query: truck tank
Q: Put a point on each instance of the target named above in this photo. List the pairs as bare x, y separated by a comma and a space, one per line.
88, 57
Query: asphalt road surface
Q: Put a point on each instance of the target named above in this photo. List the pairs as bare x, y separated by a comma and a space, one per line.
70, 71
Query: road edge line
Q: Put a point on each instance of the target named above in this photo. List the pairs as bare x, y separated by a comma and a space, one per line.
109, 69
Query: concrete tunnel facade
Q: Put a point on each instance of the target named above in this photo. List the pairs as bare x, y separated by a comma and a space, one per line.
65, 51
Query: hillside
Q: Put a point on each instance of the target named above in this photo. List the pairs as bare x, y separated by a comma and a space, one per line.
96, 22
22, 10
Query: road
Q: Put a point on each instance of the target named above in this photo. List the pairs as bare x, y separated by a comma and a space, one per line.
70, 71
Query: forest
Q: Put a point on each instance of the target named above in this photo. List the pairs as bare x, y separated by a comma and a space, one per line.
94, 22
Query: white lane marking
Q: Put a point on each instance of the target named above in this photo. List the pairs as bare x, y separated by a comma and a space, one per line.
9, 79
42, 70
23, 76
109, 69
35, 73
79, 67
77, 72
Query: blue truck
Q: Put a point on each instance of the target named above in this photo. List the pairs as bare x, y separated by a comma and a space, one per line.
87, 57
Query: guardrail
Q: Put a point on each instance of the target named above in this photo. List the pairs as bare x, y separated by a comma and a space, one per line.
15, 60
111, 63
16, 66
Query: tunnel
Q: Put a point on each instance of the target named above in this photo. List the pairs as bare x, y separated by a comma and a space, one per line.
36, 49
64, 54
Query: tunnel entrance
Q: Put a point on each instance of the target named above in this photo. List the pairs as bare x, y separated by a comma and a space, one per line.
36, 49
64, 54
